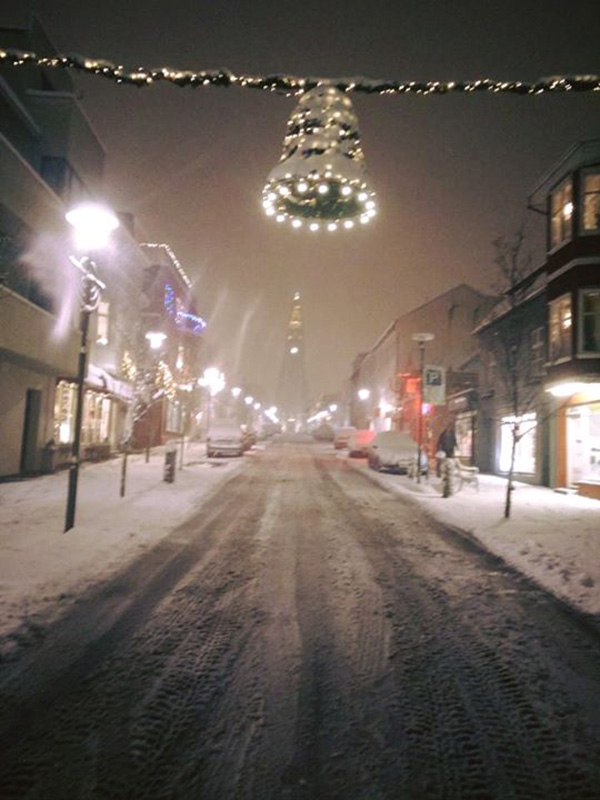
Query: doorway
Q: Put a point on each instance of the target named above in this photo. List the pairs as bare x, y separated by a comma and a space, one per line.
33, 404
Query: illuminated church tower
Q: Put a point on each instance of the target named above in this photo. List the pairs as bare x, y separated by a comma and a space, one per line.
293, 394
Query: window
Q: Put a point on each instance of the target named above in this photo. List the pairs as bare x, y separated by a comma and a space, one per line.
525, 450
591, 202
62, 178
561, 213
96, 415
537, 351
102, 322
589, 328
561, 322
64, 412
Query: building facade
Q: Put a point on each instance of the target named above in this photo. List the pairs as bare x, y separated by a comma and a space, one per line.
167, 348
386, 381
50, 160
555, 315
570, 193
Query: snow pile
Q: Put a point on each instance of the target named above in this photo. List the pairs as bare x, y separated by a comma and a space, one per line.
552, 538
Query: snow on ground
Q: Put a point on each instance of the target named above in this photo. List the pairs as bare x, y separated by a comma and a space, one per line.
43, 569
552, 538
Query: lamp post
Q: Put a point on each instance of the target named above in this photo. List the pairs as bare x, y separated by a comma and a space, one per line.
422, 339
214, 381
93, 225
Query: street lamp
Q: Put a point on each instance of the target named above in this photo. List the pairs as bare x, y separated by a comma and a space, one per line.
93, 225
364, 394
422, 339
213, 380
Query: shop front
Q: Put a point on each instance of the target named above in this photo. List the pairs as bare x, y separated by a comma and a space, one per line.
582, 442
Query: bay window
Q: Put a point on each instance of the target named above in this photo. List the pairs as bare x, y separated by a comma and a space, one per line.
560, 328
590, 201
561, 213
589, 325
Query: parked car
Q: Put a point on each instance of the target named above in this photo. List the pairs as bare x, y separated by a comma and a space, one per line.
395, 451
224, 439
341, 438
359, 441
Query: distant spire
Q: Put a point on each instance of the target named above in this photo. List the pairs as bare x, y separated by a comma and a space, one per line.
293, 394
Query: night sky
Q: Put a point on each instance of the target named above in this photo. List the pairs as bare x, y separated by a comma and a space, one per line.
451, 173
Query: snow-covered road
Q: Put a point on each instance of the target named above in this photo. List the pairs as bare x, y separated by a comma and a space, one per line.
307, 635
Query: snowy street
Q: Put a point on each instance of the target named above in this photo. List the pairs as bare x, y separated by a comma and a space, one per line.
300, 633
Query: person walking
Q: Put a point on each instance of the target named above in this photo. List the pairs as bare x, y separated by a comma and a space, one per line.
446, 444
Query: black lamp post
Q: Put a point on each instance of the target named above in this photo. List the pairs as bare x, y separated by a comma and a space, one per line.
422, 339
92, 224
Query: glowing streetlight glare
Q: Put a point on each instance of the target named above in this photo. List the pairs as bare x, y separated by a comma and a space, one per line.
156, 338
256, 406
93, 224
364, 394
567, 389
333, 407
248, 400
236, 392
213, 379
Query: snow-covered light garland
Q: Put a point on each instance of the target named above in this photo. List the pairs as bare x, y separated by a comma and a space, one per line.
291, 84
320, 181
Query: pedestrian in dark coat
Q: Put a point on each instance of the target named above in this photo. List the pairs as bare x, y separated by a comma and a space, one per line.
446, 444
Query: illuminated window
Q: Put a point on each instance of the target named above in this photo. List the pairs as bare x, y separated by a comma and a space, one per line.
525, 449
591, 202
102, 322
561, 323
561, 213
589, 328
64, 412
537, 351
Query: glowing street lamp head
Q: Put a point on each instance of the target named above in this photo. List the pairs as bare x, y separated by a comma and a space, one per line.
93, 224
236, 392
248, 400
156, 339
213, 379
364, 394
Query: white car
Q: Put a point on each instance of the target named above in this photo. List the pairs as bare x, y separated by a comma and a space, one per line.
395, 451
225, 439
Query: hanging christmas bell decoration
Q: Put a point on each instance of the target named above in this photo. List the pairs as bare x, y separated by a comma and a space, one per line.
319, 182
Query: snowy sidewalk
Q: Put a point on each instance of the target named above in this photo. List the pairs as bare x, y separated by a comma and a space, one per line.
43, 569
552, 538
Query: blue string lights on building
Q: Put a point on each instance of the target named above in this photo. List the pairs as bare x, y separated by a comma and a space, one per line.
185, 320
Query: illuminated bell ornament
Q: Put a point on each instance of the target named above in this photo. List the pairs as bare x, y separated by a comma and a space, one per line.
320, 179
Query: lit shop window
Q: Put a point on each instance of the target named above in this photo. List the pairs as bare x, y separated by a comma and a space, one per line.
561, 213
525, 450
561, 324
64, 412
590, 321
591, 202
102, 322
96, 416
